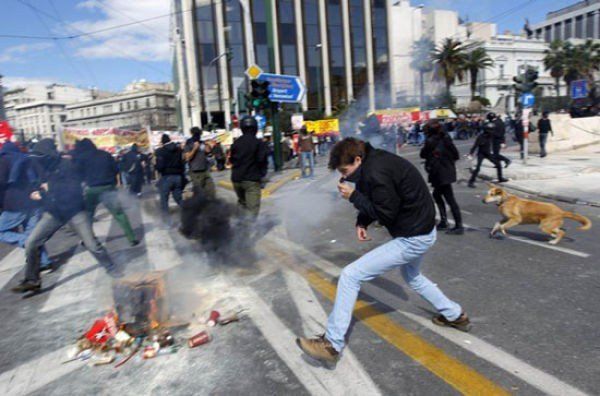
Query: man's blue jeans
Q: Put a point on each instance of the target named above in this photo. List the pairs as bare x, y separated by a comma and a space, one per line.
405, 254
11, 220
304, 158
170, 184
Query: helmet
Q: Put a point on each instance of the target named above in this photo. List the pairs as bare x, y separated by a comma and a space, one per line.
491, 116
249, 124
489, 127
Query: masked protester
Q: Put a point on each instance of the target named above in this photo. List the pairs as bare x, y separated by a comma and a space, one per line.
483, 145
249, 162
196, 153
440, 156
98, 170
498, 139
18, 179
61, 196
169, 163
132, 164
390, 190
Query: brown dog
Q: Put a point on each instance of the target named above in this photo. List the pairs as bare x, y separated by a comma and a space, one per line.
517, 211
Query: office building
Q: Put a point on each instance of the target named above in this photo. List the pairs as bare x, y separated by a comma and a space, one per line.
578, 21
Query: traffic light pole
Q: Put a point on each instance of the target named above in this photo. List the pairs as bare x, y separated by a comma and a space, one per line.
268, 4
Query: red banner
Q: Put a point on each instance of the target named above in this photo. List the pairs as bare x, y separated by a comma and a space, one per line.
5, 132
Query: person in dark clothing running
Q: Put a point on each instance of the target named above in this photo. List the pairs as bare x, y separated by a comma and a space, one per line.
61, 196
249, 162
196, 153
519, 133
440, 155
483, 147
169, 163
18, 179
498, 139
98, 170
544, 127
390, 190
132, 164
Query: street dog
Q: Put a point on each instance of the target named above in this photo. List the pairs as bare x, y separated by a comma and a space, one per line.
517, 211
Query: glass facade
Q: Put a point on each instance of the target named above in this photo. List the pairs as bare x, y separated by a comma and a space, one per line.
579, 27
335, 35
568, 29
589, 29
259, 24
234, 35
287, 37
380, 52
312, 41
207, 51
359, 54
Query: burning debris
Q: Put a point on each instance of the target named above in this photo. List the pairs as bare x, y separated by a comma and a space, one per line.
141, 321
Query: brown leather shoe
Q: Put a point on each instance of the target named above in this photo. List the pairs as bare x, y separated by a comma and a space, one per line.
462, 323
319, 349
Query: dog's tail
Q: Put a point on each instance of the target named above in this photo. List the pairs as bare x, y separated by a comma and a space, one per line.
586, 223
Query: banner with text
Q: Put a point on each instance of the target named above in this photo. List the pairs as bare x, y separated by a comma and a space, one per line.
323, 127
112, 140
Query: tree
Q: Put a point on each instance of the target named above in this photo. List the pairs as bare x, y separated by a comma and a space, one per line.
449, 57
476, 60
554, 60
422, 56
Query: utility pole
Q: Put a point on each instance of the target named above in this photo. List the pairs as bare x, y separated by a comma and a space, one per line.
271, 32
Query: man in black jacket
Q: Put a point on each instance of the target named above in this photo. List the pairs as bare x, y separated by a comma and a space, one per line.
99, 170
169, 163
62, 198
249, 162
544, 127
498, 139
390, 190
483, 145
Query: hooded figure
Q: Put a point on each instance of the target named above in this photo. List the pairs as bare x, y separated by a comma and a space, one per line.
169, 163
98, 170
62, 198
132, 164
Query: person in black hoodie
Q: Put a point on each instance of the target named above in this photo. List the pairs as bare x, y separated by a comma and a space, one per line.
169, 163
98, 170
483, 145
132, 164
440, 155
390, 190
61, 196
249, 162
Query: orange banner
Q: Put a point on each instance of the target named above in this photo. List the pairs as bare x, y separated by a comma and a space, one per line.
109, 139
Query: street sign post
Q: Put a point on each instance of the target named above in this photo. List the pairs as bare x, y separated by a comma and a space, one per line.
527, 99
284, 88
525, 120
579, 89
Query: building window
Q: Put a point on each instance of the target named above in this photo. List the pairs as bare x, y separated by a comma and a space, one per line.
589, 28
120, 107
312, 38
51, 118
558, 31
50, 95
147, 102
501, 67
579, 27
128, 105
568, 33
336, 52
107, 109
135, 104
548, 34
359, 55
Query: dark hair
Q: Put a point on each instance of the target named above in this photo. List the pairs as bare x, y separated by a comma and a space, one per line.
345, 152
195, 131
164, 139
433, 128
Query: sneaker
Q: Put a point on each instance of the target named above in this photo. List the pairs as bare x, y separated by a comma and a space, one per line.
27, 286
462, 323
503, 180
472, 185
508, 162
442, 225
456, 231
319, 349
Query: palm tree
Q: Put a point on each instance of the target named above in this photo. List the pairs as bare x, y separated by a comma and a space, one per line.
476, 60
449, 58
422, 53
554, 60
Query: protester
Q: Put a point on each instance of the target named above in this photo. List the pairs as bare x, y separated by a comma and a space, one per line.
170, 166
391, 191
196, 154
98, 170
544, 127
219, 155
249, 161
519, 133
307, 148
132, 164
17, 181
440, 155
62, 198
498, 139
483, 145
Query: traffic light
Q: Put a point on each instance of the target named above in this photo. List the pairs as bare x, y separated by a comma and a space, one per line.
526, 82
259, 96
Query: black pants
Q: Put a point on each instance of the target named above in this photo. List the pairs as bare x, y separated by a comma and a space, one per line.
445, 193
496, 147
543, 140
492, 159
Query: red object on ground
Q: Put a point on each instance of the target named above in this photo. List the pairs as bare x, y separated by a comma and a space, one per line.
213, 318
199, 339
5, 132
103, 329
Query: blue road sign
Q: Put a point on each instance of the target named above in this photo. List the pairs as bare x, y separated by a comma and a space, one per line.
527, 100
261, 120
579, 89
284, 88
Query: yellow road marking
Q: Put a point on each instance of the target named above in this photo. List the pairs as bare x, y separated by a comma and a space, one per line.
270, 188
457, 374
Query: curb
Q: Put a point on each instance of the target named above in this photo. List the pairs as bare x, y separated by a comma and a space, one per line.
555, 197
270, 188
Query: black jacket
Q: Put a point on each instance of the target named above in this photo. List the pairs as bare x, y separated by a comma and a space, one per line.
544, 126
132, 163
440, 154
483, 145
169, 160
500, 130
248, 158
64, 198
96, 167
16, 185
392, 191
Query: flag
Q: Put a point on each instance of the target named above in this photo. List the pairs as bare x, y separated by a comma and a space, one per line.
5, 132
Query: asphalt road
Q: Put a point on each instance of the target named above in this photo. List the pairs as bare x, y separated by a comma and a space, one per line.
533, 307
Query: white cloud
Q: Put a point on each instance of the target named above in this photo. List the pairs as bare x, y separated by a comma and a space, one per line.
18, 52
147, 41
22, 82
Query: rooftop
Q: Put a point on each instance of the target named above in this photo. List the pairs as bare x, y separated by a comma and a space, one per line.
571, 8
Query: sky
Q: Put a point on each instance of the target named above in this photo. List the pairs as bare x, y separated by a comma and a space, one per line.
111, 59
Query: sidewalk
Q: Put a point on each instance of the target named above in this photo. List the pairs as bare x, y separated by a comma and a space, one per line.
275, 180
572, 176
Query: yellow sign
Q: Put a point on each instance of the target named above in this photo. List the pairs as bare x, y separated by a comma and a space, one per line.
322, 127
253, 72
108, 139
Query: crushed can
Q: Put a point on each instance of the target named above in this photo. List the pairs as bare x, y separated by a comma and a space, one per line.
213, 318
199, 339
